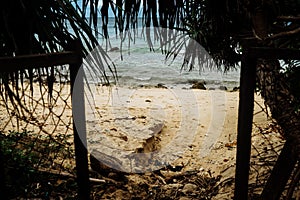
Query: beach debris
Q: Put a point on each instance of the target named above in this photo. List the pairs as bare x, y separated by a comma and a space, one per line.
176, 168
189, 188
230, 145
114, 129
163, 184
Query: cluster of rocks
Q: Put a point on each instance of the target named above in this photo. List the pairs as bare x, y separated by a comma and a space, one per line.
195, 84
201, 85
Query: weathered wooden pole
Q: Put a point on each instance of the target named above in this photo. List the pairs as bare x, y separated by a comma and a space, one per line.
245, 117
78, 109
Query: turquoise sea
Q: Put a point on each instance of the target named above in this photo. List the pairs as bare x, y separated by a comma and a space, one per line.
136, 65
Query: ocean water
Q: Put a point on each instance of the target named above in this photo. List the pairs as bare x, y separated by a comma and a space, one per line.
136, 65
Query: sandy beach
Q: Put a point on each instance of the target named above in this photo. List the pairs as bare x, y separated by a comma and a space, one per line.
195, 123
193, 128
199, 126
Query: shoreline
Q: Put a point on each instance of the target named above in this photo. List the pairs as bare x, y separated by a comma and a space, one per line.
193, 84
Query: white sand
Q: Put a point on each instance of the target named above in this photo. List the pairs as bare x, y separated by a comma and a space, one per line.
200, 127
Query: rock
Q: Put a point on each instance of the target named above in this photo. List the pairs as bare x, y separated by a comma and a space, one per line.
235, 89
199, 85
211, 88
160, 85
222, 87
189, 188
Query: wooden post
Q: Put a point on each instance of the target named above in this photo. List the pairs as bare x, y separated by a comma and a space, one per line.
245, 117
78, 109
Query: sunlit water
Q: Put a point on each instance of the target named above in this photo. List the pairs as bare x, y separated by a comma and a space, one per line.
138, 66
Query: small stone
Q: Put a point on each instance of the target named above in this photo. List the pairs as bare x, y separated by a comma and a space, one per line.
201, 169
189, 188
235, 89
222, 87
198, 85
160, 85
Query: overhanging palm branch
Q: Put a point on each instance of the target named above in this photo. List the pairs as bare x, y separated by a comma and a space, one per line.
42, 26
201, 21
37, 26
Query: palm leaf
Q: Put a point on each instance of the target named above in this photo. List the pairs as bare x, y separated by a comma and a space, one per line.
42, 26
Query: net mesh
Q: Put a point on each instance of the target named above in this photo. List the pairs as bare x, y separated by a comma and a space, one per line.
37, 135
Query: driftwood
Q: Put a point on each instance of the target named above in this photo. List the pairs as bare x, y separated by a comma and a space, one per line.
110, 152
65, 174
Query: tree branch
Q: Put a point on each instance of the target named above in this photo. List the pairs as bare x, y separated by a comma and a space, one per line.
284, 34
289, 18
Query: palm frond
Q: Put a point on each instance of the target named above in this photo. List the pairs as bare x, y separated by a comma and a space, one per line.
42, 26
